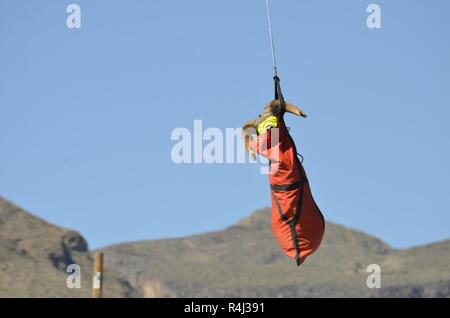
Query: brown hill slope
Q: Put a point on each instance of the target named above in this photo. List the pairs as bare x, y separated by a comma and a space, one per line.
34, 256
245, 261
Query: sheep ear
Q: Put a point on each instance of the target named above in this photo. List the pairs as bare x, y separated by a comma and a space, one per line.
295, 110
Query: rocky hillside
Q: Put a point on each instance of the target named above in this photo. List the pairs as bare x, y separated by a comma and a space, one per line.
240, 261
245, 261
35, 254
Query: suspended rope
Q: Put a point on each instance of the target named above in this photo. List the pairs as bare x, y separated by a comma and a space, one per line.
278, 94
274, 60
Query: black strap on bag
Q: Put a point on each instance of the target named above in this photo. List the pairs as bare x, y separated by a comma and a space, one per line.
278, 93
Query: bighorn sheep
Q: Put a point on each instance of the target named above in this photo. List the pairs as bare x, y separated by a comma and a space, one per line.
297, 222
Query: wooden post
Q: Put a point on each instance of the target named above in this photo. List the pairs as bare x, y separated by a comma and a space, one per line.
98, 276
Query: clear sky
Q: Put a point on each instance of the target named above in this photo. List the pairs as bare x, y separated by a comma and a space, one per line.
86, 115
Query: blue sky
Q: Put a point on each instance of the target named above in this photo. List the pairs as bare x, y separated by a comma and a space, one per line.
86, 115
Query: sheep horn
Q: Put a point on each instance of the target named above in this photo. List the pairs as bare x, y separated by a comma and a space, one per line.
294, 110
251, 123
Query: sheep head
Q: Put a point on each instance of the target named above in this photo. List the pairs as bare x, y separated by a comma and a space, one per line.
273, 108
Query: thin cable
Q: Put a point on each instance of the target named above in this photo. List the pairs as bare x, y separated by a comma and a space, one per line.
274, 60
